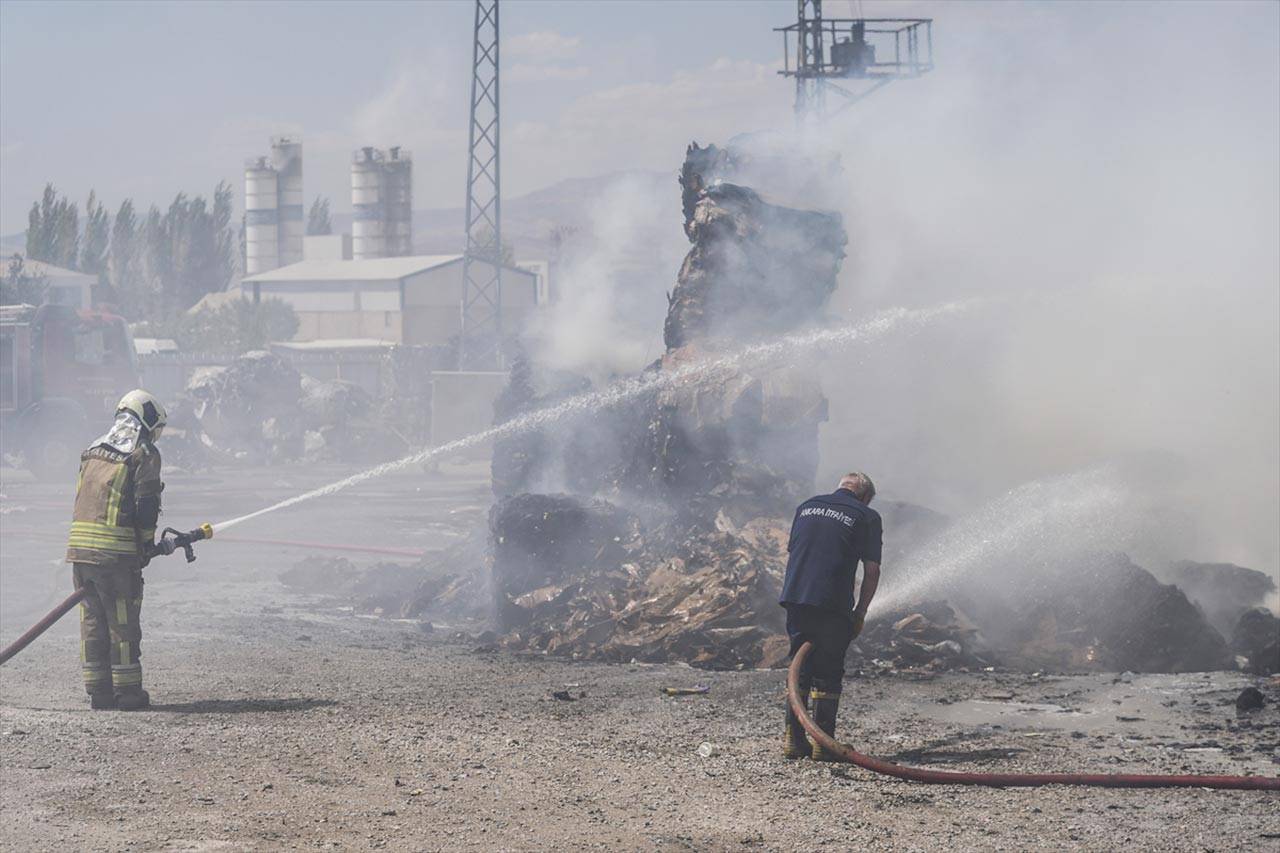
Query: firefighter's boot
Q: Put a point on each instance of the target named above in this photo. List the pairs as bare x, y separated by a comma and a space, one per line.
826, 703
103, 700
794, 743
127, 680
133, 699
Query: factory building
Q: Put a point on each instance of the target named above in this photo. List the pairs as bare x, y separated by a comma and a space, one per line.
415, 299
273, 203
382, 203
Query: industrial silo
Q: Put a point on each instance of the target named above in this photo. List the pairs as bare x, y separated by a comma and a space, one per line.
286, 156
368, 200
397, 182
261, 216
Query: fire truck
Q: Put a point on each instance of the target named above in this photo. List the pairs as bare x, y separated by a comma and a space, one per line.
62, 371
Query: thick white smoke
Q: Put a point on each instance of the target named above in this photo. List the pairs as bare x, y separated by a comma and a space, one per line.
1112, 173
1115, 168
607, 317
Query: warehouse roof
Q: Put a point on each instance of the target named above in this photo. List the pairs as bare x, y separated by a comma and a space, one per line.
372, 269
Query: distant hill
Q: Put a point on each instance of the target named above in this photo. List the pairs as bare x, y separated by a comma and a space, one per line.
527, 220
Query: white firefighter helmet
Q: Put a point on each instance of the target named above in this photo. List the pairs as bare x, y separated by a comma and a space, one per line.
147, 409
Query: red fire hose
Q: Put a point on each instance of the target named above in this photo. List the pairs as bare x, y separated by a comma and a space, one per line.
1005, 780
43, 625
325, 546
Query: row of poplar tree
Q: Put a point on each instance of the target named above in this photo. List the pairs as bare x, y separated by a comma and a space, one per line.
151, 266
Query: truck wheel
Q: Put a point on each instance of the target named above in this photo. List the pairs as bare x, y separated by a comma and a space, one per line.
53, 437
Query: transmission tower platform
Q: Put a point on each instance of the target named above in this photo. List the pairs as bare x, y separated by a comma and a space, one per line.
850, 57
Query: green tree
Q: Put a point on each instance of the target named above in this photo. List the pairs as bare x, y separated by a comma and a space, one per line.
124, 263
318, 221
155, 264
190, 251
228, 241
96, 240
19, 286
53, 230
485, 247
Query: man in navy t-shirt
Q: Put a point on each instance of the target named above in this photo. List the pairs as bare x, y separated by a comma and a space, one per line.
829, 536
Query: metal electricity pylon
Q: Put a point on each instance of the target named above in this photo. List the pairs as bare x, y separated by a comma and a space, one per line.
850, 49
480, 340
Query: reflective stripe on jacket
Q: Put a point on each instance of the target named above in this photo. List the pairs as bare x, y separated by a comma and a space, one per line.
117, 501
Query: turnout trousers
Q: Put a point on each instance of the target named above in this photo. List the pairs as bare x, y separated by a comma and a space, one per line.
110, 632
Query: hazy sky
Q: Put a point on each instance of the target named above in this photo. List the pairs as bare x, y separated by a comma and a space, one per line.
146, 99
1116, 161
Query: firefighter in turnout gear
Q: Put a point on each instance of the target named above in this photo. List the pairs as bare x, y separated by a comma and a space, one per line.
112, 538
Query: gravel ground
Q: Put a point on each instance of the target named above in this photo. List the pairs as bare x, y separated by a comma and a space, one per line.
286, 722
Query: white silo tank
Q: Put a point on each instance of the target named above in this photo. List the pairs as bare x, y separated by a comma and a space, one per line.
286, 156
261, 216
398, 187
368, 237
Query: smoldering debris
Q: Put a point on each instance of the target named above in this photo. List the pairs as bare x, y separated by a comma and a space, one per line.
582, 577
248, 408
1223, 590
1100, 611
1256, 638
260, 409
658, 531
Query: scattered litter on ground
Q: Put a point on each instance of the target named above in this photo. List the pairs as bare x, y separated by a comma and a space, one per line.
700, 690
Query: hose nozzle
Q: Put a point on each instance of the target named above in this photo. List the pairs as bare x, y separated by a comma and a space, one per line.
184, 540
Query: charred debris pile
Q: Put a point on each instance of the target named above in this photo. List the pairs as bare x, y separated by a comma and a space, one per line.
657, 531
260, 409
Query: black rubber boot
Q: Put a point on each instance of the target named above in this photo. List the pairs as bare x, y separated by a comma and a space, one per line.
794, 743
133, 699
826, 704
102, 700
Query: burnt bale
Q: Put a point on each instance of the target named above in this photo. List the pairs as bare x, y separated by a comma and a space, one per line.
1223, 590
755, 268
517, 458
1103, 612
541, 543
586, 455
702, 167
1257, 638
249, 407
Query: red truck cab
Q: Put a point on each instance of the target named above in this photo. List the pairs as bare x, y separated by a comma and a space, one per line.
62, 371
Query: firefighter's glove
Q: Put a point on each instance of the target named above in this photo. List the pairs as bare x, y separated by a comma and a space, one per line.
858, 619
164, 547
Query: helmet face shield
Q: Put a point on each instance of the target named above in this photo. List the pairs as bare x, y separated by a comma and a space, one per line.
147, 409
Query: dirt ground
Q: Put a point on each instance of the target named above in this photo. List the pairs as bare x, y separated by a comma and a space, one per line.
284, 721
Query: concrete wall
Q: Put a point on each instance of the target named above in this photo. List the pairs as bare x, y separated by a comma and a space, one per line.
433, 303
425, 308
375, 325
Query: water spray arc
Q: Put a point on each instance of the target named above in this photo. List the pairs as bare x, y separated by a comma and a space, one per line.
1035, 519
887, 322
710, 370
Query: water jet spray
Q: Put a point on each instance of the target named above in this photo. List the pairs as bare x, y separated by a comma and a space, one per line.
694, 373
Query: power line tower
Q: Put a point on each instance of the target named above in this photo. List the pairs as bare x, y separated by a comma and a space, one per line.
480, 340
847, 50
